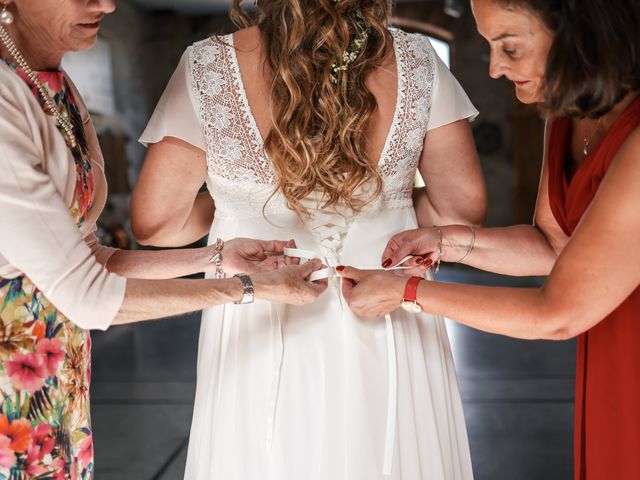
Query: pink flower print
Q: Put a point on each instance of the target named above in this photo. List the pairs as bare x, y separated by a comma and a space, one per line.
74, 470
43, 443
52, 79
7, 457
52, 352
36, 469
86, 451
26, 371
59, 465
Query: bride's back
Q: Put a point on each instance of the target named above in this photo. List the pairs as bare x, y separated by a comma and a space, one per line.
315, 74
257, 77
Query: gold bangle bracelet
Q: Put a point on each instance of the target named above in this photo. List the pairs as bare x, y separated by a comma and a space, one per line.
471, 244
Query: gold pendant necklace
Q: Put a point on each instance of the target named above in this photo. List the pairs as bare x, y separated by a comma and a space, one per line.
587, 142
50, 107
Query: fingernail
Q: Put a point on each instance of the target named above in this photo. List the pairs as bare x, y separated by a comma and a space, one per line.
428, 262
420, 261
340, 268
386, 263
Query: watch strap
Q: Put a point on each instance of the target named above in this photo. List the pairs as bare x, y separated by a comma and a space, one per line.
411, 289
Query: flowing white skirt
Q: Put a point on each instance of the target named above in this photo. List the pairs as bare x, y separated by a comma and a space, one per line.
316, 393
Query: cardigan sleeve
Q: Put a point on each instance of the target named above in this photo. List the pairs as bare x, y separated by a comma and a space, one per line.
38, 235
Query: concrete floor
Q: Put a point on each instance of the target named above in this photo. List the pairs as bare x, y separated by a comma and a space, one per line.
518, 398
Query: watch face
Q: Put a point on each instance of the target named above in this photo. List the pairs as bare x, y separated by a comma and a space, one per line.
411, 307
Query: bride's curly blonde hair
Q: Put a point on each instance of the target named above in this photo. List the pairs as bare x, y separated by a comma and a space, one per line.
319, 124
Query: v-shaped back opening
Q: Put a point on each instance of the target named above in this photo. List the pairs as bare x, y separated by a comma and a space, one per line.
254, 124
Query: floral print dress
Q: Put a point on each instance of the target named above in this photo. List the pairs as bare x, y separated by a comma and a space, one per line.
45, 364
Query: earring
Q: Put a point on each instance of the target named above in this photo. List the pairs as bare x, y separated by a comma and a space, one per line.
6, 17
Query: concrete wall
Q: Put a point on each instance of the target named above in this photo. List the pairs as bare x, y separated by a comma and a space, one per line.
146, 48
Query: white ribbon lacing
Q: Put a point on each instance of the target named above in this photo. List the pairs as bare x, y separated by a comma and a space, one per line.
392, 371
330, 230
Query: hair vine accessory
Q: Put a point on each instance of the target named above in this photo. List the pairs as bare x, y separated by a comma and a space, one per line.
6, 17
341, 64
62, 121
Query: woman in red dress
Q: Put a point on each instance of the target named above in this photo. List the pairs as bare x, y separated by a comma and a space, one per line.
580, 60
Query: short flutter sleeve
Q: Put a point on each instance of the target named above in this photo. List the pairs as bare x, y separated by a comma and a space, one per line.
178, 111
449, 101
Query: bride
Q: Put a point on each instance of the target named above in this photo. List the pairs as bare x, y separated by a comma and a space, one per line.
310, 123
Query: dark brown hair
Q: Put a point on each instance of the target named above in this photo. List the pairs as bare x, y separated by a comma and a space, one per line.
595, 56
319, 127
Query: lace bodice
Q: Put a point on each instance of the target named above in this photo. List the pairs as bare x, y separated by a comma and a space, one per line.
205, 104
241, 178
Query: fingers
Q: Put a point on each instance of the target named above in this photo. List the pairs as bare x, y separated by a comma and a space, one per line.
351, 273
399, 247
291, 260
390, 249
347, 289
418, 271
403, 250
318, 287
311, 266
275, 246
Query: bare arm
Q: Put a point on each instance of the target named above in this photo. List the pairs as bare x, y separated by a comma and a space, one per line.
166, 208
152, 299
596, 271
521, 250
163, 264
240, 255
455, 191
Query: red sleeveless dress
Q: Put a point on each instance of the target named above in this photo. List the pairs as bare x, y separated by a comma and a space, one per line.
607, 408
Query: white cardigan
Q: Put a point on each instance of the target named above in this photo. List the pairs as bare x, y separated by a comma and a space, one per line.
38, 236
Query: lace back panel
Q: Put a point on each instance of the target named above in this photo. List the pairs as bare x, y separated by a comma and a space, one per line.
241, 178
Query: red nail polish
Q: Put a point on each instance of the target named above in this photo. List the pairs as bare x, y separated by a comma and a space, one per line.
340, 268
420, 261
386, 263
428, 263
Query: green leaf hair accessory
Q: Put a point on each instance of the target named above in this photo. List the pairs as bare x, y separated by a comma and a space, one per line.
341, 63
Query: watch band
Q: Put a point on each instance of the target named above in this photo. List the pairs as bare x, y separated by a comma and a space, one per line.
411, 289
410, 297
247, 285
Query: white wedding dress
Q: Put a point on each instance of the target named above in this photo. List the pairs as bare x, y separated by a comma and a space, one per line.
314, 392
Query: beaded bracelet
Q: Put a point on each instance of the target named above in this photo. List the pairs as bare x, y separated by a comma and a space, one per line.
216, 258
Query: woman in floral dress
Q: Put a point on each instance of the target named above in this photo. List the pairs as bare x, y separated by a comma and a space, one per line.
54, 286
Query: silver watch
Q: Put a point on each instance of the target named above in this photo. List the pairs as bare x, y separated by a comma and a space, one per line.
247, 285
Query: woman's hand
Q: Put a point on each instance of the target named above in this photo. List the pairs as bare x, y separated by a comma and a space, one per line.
371, 293
422, 243
246, 255
289, 284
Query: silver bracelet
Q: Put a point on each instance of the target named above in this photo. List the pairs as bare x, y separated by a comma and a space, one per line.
216, 258
247, 289
471, 244
440, 250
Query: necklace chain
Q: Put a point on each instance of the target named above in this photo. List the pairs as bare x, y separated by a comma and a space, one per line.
50, 107
587, 140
